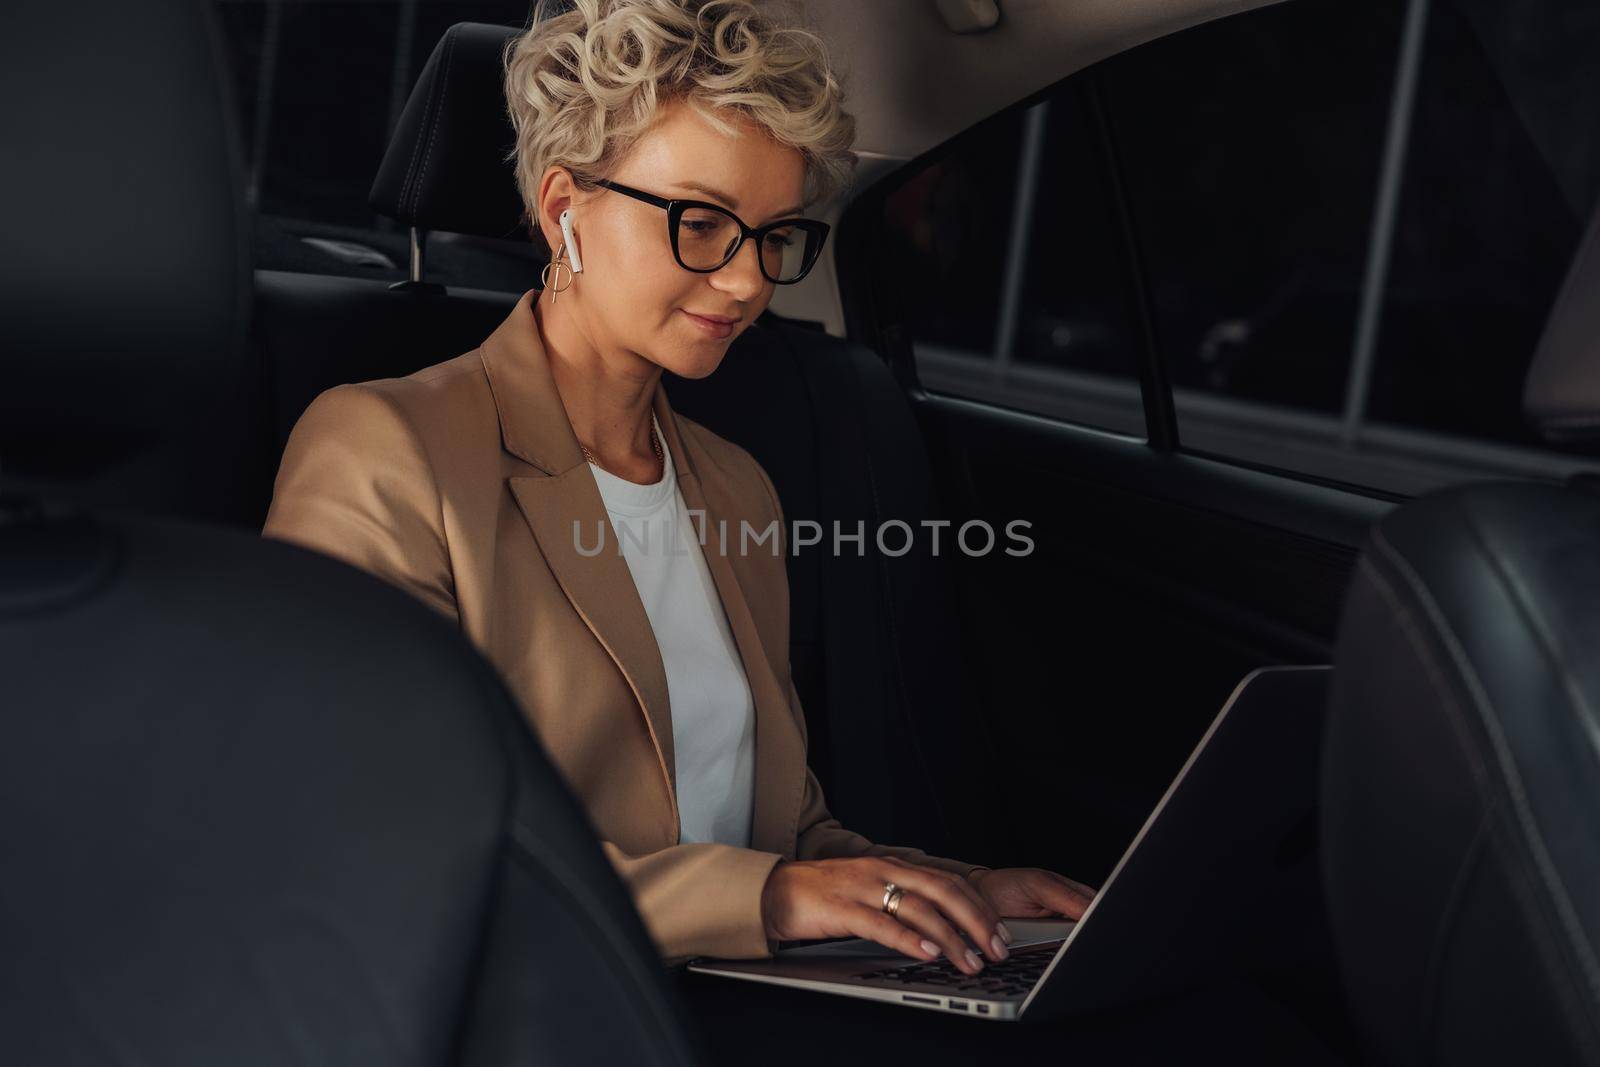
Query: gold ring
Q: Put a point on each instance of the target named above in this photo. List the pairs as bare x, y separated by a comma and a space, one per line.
891, 897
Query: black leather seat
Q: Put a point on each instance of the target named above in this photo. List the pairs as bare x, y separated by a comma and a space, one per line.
1461, 792
876, 647
123, 286
313, 332
256, 806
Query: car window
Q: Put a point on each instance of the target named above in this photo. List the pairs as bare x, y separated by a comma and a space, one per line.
1347, 259
1249, 150
319, 86
1501, 174
1008, 272
1305, 322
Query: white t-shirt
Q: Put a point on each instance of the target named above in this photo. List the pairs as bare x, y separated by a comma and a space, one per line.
713, 714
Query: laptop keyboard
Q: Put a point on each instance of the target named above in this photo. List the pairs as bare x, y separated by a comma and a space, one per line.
1014, 975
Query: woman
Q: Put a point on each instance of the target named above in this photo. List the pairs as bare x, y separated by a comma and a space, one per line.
657, 678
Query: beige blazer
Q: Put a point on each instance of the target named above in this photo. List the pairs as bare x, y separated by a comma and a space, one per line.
461, 484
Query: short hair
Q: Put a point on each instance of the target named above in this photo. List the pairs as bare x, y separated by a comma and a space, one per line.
583, 85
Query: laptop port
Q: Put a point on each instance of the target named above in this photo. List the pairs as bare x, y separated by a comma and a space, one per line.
912, 998
983, 1009
958, 1005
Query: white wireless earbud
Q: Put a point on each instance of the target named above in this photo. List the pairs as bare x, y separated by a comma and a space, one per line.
572, 243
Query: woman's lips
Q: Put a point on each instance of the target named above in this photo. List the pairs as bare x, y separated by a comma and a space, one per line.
710, 326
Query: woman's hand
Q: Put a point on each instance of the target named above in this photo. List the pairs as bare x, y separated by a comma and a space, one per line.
1031, 893
809, 899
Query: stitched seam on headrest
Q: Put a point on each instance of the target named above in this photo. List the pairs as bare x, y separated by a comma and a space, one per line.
444, 91
1483, 778
1444, 930
1509, 775
1523, 600
408, 185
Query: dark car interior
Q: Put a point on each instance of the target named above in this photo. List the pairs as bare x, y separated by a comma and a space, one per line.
208, 860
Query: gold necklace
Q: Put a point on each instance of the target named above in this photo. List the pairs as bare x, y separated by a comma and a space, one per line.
655, 446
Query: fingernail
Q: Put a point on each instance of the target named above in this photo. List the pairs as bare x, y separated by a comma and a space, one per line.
1004, 931
973, 961
930, 948
999, 946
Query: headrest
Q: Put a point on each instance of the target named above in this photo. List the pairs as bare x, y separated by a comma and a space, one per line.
289, 815
446, 165
125, 279
126, 253
1561, 395
1457, 815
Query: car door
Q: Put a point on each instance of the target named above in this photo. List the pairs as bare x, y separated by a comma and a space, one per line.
1199, 315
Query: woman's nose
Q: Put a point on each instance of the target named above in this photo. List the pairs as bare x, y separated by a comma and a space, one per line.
742, 275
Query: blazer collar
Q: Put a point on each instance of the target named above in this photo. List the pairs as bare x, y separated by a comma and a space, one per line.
533, 422
534, 427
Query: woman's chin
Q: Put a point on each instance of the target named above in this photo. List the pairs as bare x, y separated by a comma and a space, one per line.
696, 362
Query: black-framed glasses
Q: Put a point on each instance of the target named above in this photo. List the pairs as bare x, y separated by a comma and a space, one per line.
705, 237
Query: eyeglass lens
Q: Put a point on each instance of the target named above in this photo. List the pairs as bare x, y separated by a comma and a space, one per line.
706, 239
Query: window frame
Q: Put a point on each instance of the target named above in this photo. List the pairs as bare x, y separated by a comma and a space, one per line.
871, 313
869, 307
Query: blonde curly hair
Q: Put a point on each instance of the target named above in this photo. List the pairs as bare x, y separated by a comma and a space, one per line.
582, 86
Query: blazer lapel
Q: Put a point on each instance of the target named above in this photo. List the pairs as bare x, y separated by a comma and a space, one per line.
535, 428
562, 506
602, 591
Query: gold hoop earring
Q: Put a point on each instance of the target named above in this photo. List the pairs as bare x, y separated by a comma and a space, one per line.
544, 275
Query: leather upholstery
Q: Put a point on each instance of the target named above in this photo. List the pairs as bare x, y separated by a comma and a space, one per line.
256, 806
262, 808
1461, 775
447, 166
314, 332
125, 283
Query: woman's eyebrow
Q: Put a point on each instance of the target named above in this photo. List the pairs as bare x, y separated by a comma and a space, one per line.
732, 203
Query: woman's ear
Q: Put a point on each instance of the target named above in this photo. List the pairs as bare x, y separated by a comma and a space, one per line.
555, 196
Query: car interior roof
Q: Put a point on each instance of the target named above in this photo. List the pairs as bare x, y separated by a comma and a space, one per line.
928, 83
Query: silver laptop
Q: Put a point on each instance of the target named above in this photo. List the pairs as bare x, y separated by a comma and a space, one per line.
1227, 856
